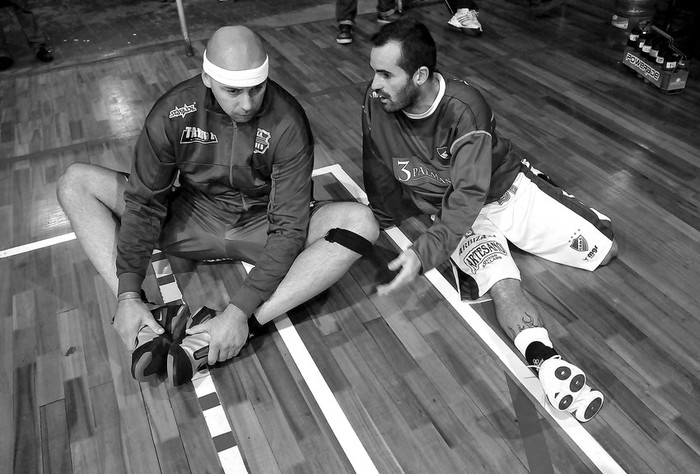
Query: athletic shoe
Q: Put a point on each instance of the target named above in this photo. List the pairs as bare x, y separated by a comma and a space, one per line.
189, 356
6, 60
344, 34
43, 54
562, 382
390, 17
587, 404
466, 21
148, 360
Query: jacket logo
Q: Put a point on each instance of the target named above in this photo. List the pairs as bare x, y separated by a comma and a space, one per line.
182, 111
443, 152
413, 171
262, 141
197, 135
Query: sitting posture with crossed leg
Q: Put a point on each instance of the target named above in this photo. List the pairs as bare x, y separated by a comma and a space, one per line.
430, 146
241, 149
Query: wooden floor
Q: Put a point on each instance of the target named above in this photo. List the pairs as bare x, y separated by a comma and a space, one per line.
411, 374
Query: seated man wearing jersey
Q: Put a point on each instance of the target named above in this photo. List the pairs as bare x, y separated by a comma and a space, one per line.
241, 151
430, 146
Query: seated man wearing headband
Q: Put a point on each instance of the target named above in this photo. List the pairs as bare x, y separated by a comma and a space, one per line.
241, 149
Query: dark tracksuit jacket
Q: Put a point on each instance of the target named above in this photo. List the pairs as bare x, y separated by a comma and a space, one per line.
448, 162
230, 169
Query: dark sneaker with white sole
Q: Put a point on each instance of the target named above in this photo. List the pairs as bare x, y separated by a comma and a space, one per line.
190, 356
148, 360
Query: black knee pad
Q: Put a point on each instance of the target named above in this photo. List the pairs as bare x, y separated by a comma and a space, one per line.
349, 240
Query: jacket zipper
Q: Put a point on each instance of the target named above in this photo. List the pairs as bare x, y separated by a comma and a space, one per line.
233, 148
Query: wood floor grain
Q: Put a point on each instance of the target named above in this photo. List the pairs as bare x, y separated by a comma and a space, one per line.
418, 386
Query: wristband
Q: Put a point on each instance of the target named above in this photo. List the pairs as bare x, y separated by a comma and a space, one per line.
129, 295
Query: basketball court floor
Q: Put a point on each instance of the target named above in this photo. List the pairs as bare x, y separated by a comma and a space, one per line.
417, 381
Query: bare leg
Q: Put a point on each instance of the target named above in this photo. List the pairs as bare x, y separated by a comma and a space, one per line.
322, 263
515, 312
92, 198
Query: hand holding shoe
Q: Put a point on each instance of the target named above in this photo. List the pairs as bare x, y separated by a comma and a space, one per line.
228, 333
132, 314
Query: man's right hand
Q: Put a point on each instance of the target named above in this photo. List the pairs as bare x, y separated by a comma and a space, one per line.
131, 316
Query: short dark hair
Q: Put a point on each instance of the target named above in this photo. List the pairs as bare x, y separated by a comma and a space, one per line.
417, 44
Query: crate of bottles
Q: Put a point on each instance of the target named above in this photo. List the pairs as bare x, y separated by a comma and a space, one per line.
651, 54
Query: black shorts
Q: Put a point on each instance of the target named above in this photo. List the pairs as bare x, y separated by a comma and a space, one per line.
193, 232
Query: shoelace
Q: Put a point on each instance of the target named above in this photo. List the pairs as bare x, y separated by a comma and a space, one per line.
469, 15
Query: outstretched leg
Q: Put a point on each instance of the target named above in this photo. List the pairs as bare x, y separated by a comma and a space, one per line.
563, 383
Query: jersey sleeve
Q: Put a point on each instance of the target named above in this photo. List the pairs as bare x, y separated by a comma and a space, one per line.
288, 217
470, 174
146, 195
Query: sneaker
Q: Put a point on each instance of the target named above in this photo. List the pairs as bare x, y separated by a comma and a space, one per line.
43, 54
189, 356
148, 360
6, 60
587, 404
562, 382
466, 21
388, 17
344, 34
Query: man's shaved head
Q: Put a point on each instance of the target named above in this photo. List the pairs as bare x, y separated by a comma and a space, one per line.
236, 48
235, 68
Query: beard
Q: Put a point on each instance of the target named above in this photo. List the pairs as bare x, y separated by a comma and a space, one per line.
406, 97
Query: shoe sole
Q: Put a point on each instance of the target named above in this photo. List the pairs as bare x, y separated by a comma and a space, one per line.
591, 410
466, 31
575, 385
343, 41
148, 361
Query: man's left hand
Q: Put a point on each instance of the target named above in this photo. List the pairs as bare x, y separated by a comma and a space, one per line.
228, 334
410, 266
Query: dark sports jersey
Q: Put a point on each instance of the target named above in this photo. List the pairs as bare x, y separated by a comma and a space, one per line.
448, 161
226, 168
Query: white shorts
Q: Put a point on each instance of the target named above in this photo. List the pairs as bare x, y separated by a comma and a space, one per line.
538, 218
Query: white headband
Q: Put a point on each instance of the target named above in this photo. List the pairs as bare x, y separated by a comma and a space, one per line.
243, 78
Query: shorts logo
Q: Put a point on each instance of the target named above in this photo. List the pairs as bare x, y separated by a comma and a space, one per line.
592, 253
508, 195
182, 111
262, 141
579, 243
481, 254
197, 135
443, 153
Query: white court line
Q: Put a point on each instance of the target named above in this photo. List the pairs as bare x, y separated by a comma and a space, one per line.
36, 245
344, 432
230, 459
587, 443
